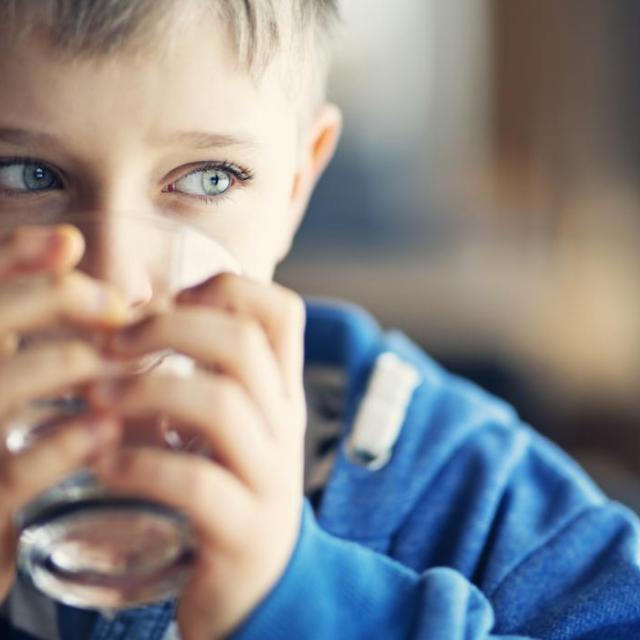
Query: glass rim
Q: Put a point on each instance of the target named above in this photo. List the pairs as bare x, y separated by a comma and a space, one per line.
14, 219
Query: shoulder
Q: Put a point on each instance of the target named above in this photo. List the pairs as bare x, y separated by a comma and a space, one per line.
470, 487
456, 443
444, 410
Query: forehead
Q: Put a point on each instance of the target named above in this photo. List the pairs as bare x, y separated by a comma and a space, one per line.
193, 80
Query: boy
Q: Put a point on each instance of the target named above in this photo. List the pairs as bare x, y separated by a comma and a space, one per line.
440, 515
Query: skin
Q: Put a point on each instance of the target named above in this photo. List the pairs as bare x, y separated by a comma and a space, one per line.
115, 122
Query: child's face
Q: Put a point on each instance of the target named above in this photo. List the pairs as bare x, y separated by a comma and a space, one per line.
125, 134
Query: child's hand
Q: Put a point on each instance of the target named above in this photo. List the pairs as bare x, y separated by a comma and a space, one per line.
39, 292
246, 401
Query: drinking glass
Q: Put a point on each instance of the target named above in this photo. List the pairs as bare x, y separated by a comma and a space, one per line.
78, 542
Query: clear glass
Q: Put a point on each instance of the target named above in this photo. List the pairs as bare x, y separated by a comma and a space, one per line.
78, 543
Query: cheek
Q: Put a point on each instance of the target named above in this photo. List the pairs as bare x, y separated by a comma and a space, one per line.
266, 230
197, 256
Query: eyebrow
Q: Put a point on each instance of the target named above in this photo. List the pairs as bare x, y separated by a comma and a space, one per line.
207, 140
192, 139
25, 138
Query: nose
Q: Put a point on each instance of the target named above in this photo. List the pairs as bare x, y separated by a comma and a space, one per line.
128, 252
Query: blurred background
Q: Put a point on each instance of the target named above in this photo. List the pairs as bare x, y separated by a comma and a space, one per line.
485, 200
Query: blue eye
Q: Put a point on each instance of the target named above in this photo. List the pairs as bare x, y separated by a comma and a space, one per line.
210, 181
38, 177
25, 176
204, 182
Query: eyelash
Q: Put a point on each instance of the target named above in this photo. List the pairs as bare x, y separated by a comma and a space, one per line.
241, 175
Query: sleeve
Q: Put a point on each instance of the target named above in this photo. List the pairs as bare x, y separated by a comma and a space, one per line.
335, 589
493, 533
583, 582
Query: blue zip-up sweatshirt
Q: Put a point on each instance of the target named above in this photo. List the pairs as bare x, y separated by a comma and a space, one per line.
476, 528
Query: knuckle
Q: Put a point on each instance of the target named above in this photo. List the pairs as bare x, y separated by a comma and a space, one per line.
249, 336
293, 306
290, 307
227, 396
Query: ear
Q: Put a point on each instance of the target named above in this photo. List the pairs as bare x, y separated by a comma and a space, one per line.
317, 149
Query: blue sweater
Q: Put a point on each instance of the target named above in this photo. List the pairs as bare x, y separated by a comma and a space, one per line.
476, 528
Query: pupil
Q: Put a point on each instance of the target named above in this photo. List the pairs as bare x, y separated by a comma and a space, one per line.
37, 177
215, 182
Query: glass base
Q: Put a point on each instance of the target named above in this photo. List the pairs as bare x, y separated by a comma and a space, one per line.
106, 552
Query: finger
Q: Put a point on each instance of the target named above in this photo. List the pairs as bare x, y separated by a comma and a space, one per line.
8, 551
236, 347
215, 502
35, 302
279, 311
25, 475
215, 406
29, 249
47, 369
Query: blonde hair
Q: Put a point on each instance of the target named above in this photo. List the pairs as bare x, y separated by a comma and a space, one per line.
261, 29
